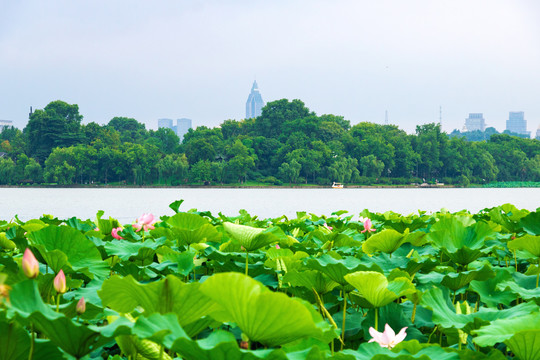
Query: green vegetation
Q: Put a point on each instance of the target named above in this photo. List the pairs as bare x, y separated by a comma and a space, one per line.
193, 286
288, 144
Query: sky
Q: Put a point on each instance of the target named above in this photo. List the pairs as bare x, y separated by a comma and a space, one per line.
198, 59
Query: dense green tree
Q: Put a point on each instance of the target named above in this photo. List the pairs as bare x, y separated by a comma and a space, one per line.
290, 172
7, 171
276, 113
164, 139
57, 125
371, 166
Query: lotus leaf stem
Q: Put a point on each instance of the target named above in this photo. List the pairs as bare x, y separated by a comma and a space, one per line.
31, 352
344, 317
57, 302
413, 313
538, 274
247, 258
377, 319
515, 260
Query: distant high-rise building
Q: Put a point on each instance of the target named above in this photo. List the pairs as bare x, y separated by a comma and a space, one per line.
538, 133
475, 121
254, 103
182, 127
5, 124
165, 123
517, 124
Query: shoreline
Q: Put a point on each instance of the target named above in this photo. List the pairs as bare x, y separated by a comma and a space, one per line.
79, 186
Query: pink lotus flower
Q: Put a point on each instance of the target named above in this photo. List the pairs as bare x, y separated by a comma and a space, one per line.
388, 338
146, 221
60, 282
30, 264
81, 306
114, 233
277, 246
367, 225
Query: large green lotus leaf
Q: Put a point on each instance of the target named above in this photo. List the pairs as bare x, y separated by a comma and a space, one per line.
287, 260
221, 345
502, 330
249, 237
75, 339
190, 229
528, 243
525, 344
270, 318
463, 244
376, 289
310, 279
385, 262
444, 312
487, 289
373, 351
531, 223
392, 314
455, 281
81, 253
161, 329
336, 269
15, 344
387, 241
164, 296
127, 249
519, 291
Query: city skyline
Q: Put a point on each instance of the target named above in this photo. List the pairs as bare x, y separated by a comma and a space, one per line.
356, 59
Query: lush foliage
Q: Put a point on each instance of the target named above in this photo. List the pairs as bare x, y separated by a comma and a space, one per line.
198, 286
287, 144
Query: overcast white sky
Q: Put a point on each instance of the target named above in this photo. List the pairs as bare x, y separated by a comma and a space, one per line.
198, 59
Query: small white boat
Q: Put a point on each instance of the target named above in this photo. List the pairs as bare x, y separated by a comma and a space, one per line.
336, 185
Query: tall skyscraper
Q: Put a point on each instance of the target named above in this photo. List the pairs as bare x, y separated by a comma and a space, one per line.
182, 127
254, 103
475, 121
516, 123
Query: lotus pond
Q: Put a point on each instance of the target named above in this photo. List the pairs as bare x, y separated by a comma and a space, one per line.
196, 285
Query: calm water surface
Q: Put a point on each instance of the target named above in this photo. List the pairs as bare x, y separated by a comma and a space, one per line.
128, 204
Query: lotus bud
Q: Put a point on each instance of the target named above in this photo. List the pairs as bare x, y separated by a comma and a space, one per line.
81, 306
30, 265
277, 246
60, 282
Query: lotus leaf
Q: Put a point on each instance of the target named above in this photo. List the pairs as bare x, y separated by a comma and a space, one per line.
270, 318
310, 279
73, 338
387, 241
249, 237
192, 228
487, 289
529, 243
376, 289
444, 312
336, 269
531, 223
521, 332
164, 296
463, 244
80, 251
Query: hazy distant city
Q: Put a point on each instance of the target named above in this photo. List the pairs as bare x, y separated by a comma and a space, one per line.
516, 122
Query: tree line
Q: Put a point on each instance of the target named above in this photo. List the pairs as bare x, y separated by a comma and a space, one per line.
287, 144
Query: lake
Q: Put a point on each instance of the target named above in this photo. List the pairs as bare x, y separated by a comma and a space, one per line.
127, 204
